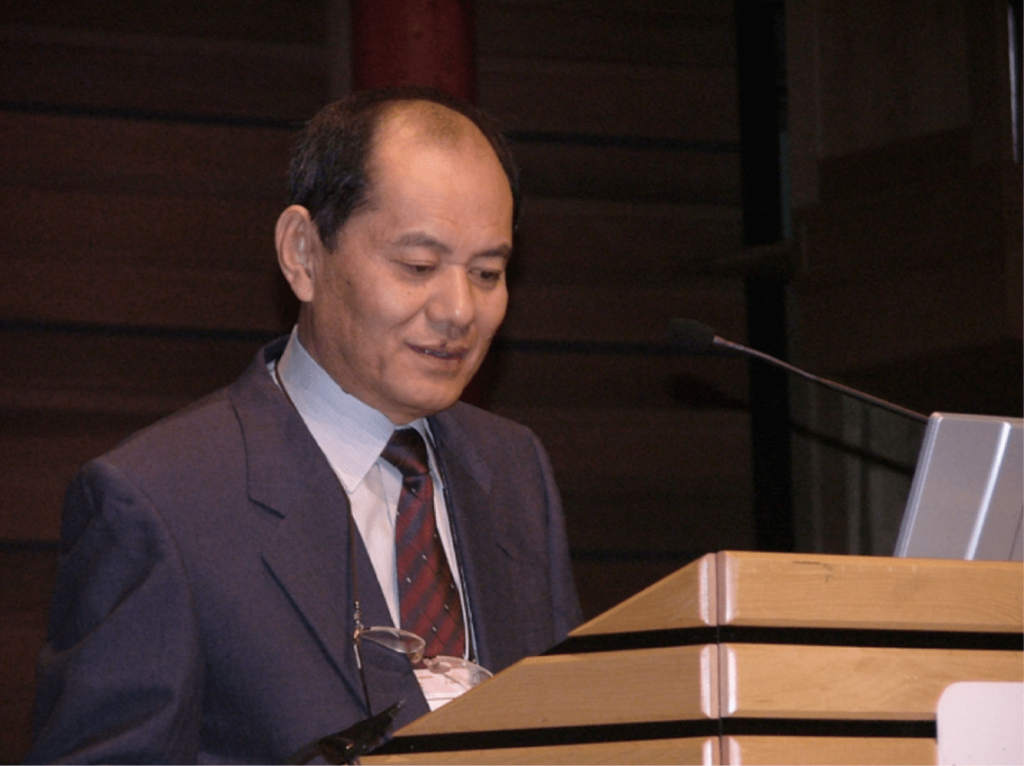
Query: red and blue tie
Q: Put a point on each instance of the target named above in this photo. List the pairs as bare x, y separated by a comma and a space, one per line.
428, 598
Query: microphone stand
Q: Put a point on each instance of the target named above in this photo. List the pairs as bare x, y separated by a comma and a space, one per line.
699, 338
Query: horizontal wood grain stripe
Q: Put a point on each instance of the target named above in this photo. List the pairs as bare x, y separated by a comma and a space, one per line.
553, 346
805, 590
905, 639
768, 750
182, 75
651, 751
529, 94
643, 639
902, 639
546, 737
138, 331
109, 294
630, 142
147, 114
846, 682
826, 727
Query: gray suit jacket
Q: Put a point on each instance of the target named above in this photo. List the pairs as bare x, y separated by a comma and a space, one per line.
203, 610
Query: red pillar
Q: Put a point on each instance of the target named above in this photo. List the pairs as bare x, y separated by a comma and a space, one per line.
414, 42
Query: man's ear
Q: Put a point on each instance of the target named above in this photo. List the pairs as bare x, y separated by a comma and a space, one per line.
297, 239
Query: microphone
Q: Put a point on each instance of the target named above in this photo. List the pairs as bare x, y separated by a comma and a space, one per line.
693, 337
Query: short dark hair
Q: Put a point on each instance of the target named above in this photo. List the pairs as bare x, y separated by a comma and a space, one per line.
328, 174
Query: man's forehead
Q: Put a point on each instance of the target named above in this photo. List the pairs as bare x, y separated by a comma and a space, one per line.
424, 122
408, 128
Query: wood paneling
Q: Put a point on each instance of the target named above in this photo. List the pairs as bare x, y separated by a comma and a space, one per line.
26, 579
644, 490
869, 592
662, 751
644, 174
890, 71
698, 33
95, 154
74, 395
660, 101
171, 223
533, 377
99, 372
906, 207
840, 751
672, 684
922, 311
604, 243
657, 442
99, 70
112, 294
820, 682
147, 149
277, 21
926, 223
622, 313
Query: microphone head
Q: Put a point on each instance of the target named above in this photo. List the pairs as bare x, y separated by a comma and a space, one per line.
691, 336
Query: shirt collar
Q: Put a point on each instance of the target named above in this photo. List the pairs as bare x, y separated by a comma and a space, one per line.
350, 433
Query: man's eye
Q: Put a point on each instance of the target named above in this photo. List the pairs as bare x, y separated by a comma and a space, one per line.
418, 268
489, 276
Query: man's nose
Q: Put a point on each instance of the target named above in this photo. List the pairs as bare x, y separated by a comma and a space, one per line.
452, 304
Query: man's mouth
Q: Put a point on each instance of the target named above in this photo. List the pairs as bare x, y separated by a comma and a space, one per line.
445, 354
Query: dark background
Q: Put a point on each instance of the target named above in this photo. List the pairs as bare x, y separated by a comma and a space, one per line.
833, 181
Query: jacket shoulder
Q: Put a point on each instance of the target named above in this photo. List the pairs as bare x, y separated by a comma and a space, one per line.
201, 433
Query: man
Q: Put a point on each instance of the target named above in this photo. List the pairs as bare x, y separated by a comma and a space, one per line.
213, 564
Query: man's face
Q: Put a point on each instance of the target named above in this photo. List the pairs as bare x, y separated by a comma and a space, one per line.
404, 310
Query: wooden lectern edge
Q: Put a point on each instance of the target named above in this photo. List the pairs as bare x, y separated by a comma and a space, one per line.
746, 597
878, 683
679, 683
735, 588
657, 601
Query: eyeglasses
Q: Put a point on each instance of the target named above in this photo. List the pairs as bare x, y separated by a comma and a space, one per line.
395, 639
442, 678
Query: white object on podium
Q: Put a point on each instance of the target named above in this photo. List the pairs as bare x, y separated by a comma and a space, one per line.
981, 723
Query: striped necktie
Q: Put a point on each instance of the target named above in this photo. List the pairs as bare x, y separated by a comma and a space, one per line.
428, 598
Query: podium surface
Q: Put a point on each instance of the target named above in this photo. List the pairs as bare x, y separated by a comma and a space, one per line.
747, 658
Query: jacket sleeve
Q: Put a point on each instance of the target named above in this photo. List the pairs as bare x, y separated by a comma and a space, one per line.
119, 679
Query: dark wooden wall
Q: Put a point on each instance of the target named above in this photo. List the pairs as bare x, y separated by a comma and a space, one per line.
143, 165
144, 153
624, 118
906, 202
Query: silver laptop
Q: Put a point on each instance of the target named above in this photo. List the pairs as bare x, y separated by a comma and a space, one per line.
967, 497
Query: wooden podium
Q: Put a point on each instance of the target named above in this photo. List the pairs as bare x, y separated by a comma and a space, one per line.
747, 658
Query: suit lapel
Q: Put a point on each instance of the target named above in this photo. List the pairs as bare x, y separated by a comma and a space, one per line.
487, 564
308, 554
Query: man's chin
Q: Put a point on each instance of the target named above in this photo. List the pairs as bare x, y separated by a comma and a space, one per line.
430, 404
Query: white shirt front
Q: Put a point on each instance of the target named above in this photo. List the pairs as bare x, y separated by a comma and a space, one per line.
352, 435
